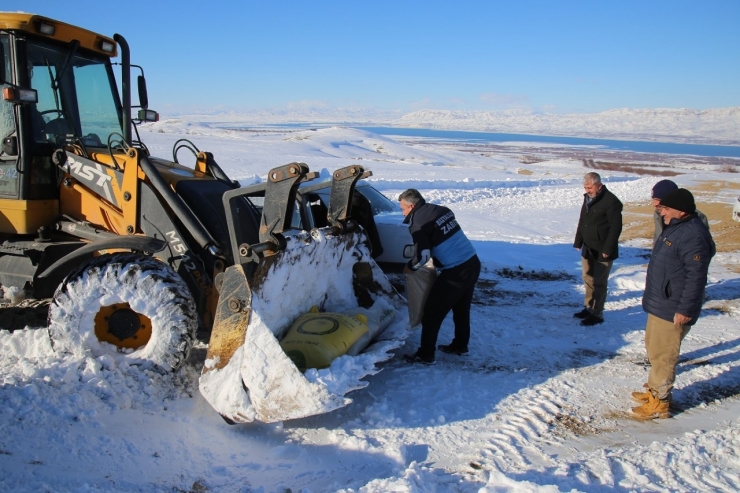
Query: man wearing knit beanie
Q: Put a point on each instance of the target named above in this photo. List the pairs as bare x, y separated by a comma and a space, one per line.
663, 188
674, 292
681, 200
660, 190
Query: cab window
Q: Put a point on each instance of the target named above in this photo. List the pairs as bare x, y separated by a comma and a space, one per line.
8, 163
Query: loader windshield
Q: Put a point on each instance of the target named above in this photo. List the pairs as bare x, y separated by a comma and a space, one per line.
76, 94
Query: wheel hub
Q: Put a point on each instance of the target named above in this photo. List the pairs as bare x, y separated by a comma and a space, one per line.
123, 324
123, 327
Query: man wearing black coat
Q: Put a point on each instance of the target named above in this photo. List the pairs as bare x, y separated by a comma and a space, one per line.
674, 292
597, 237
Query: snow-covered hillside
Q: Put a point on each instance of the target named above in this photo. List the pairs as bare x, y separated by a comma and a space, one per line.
710, 126
715, 126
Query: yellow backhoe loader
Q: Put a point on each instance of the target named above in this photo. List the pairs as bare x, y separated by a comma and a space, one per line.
138, 253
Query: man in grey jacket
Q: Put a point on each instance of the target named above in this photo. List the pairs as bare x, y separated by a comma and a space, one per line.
674, 291
660, 190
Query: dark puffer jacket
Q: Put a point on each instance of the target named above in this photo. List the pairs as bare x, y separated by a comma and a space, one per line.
677, 273
600, 225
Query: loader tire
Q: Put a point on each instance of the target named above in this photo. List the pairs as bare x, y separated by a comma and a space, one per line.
127, 305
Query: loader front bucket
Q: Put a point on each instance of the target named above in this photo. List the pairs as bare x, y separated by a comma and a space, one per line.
247, 375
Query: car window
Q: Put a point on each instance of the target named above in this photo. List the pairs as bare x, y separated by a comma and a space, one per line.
380, 203
295, 222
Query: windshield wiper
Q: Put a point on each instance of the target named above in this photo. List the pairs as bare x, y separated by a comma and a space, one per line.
73, 45
56, 81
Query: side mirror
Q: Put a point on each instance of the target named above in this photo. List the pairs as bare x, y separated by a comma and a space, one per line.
143, 97
148, 116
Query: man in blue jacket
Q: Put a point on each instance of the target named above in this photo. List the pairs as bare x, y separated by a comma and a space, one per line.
660, 190
437, 235
674, 291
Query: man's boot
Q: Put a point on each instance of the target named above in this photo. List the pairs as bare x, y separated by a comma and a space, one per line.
653, 408
642, 397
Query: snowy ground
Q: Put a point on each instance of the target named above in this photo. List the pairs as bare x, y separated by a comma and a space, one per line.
539, 404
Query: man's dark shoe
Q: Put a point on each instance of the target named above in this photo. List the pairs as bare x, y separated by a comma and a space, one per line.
582, 314
415, 358
450, 349
591, 320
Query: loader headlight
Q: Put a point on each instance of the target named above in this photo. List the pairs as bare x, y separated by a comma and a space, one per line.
107, 46
47, 29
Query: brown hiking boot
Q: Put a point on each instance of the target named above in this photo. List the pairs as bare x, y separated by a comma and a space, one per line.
653, 408
642, 397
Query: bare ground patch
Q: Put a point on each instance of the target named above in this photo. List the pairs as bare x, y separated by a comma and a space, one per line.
534, 275
638, 218
573, 424
638, 169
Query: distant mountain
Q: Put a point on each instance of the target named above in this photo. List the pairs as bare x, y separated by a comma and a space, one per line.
717, 126
712, 126
324, 116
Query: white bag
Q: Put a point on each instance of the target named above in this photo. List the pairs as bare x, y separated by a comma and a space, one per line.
418, 285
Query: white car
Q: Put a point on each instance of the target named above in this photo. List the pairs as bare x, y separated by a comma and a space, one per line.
394, 237
392, 245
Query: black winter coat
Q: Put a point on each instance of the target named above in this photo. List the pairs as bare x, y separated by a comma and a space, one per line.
677, 272
600, 225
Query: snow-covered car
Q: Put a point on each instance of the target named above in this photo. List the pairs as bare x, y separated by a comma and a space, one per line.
393, 236
392, 246
736, 210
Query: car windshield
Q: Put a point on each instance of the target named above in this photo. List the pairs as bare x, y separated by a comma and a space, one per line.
379, 202
75, 96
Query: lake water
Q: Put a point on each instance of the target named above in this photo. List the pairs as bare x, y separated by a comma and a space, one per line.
617, 145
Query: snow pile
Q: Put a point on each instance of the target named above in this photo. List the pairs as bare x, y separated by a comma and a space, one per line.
313, 271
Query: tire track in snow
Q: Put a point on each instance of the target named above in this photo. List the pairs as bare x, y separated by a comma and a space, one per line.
521, 421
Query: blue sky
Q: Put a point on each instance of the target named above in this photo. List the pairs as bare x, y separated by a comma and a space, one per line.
546, 56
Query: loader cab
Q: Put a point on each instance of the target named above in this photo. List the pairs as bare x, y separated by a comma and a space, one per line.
58, 88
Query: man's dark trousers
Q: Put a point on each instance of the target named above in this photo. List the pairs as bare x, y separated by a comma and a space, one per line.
453, 290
